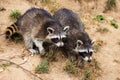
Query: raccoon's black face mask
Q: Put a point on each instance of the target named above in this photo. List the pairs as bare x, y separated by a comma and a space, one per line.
85, 51
86, 56
56, 37
55, 40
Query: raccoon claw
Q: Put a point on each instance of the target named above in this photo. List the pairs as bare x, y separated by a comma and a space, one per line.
33, 51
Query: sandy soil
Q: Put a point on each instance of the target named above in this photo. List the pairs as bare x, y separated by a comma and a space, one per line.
108, 56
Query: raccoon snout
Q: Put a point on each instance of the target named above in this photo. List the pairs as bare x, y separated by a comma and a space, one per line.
89, 60
59, 44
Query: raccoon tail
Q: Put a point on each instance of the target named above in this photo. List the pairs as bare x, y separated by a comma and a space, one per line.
11, 30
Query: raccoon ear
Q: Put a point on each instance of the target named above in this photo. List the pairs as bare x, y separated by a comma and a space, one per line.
50, 30
79, 42
93, 41
66, 28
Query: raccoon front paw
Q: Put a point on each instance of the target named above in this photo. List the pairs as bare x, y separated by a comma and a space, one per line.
42, 52
33, 51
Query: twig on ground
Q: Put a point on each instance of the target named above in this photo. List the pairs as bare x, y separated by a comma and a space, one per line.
21, 68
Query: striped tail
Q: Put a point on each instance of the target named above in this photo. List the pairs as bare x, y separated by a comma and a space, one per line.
11, 30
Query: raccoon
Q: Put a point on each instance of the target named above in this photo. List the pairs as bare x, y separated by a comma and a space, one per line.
36, 27
78, 41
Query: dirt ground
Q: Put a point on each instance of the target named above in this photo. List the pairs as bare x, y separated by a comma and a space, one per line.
108, 56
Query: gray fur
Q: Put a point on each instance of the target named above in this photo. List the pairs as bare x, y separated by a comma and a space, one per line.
75, 33
33, 26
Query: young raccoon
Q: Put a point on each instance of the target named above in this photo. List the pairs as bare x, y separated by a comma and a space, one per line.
78, 42
38, 26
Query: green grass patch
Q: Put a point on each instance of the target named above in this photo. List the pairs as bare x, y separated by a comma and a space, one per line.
87, 75
90, 71
99, 18
51, 52
71, 68
15, 14
51, 56
43, 67
114, 24
110, 4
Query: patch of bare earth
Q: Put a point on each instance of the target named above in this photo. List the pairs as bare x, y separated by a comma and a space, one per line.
108, 56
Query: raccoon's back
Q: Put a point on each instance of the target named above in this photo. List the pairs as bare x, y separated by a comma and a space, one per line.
69, 18
32, 22
33, 18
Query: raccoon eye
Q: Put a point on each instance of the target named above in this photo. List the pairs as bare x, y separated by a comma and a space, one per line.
91, 53
64, 39
55, 40
82, 54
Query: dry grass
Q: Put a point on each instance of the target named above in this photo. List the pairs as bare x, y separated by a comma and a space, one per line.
118, 42
51, 56
51, 52
71, 68
102, 30
1, 50
110, 4
43, 67
117, 61
91, 70
98, 45
87, 75
117, 78
45, 2
54, 7
5, 65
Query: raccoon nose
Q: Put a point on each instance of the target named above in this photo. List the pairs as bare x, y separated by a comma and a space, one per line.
89, 60
60, 44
